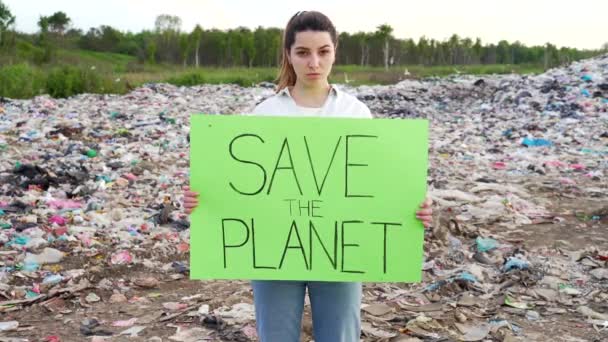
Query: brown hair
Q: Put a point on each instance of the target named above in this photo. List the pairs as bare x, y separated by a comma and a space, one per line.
301, 21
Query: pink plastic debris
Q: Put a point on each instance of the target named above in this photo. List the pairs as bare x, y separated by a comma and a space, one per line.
64, 204
499, 166
60, 231
58, 220
173, 306
121, 258
577, 166
567, 181
130, 176
125, 323
250, 332
555, 163
86, 239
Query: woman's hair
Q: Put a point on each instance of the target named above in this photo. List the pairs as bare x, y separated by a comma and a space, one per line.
301, 21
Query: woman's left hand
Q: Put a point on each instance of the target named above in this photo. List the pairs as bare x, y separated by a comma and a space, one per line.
426, 213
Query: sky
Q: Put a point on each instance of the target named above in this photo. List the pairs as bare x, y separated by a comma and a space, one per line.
581, 24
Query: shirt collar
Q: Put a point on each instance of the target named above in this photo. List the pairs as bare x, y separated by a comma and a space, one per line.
332, 91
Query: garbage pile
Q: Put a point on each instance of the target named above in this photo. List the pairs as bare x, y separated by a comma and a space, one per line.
94, 243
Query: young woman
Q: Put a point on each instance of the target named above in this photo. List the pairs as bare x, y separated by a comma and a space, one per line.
309, 50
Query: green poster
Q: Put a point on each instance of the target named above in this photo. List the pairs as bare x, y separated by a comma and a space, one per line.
293, 198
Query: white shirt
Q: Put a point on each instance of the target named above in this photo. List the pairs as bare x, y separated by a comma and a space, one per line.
338, 104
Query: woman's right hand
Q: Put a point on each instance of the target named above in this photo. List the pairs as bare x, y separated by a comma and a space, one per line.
190, 199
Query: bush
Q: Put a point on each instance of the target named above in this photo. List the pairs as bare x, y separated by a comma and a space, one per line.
64, 81
67, 81
20, 81
189, 79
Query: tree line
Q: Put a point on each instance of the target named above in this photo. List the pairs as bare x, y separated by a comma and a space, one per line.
241, 46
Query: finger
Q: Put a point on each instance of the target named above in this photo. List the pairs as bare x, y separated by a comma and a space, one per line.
190, 205
427, 203
190, 200
425, 218
191, 194
186, 188
425, 212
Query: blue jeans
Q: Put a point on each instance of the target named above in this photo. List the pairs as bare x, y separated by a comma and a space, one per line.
336, 310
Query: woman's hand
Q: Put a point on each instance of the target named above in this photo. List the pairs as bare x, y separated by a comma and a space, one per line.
190, 199
426, 213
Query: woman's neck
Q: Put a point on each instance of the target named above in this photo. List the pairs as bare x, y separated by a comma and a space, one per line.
310, 96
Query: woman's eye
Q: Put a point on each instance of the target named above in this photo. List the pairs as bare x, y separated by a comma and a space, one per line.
324, 52
302, 53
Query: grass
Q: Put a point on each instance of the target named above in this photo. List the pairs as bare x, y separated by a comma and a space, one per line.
358, 75
352, 74
104, 61
74, 71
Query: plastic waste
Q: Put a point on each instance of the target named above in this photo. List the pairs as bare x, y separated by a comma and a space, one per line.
52, 279
122, 257
536, 142
515, 263
9, 325
48, 256
486, 244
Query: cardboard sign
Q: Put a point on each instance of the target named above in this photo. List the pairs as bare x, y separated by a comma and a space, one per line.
293, 198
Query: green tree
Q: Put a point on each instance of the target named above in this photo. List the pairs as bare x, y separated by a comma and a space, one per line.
185, 45
167, 28
385, 33
195, 37
7, 19
58, 22
362, 38
503, 52
151, 52
248, 45
466, 49
477, 50
43, 23
424, 51
454, 46
44, 42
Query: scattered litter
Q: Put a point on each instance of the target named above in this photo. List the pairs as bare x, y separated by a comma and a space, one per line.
91, 191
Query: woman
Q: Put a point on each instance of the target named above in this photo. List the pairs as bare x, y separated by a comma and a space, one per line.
309, 49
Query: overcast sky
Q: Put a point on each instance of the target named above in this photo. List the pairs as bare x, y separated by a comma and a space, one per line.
580, 24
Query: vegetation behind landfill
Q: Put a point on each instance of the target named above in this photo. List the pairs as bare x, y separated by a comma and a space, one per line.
62, 60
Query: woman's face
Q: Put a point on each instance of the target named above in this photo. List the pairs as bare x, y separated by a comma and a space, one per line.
312, 56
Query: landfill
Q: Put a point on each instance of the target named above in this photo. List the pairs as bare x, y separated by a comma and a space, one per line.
94, 241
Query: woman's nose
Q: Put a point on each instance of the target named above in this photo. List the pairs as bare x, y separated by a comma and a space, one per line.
314, 61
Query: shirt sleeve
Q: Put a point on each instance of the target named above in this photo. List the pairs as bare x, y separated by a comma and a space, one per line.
253, 112
365, 112
260, 109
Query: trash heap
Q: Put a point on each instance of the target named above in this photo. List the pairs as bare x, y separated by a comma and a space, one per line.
94, 242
